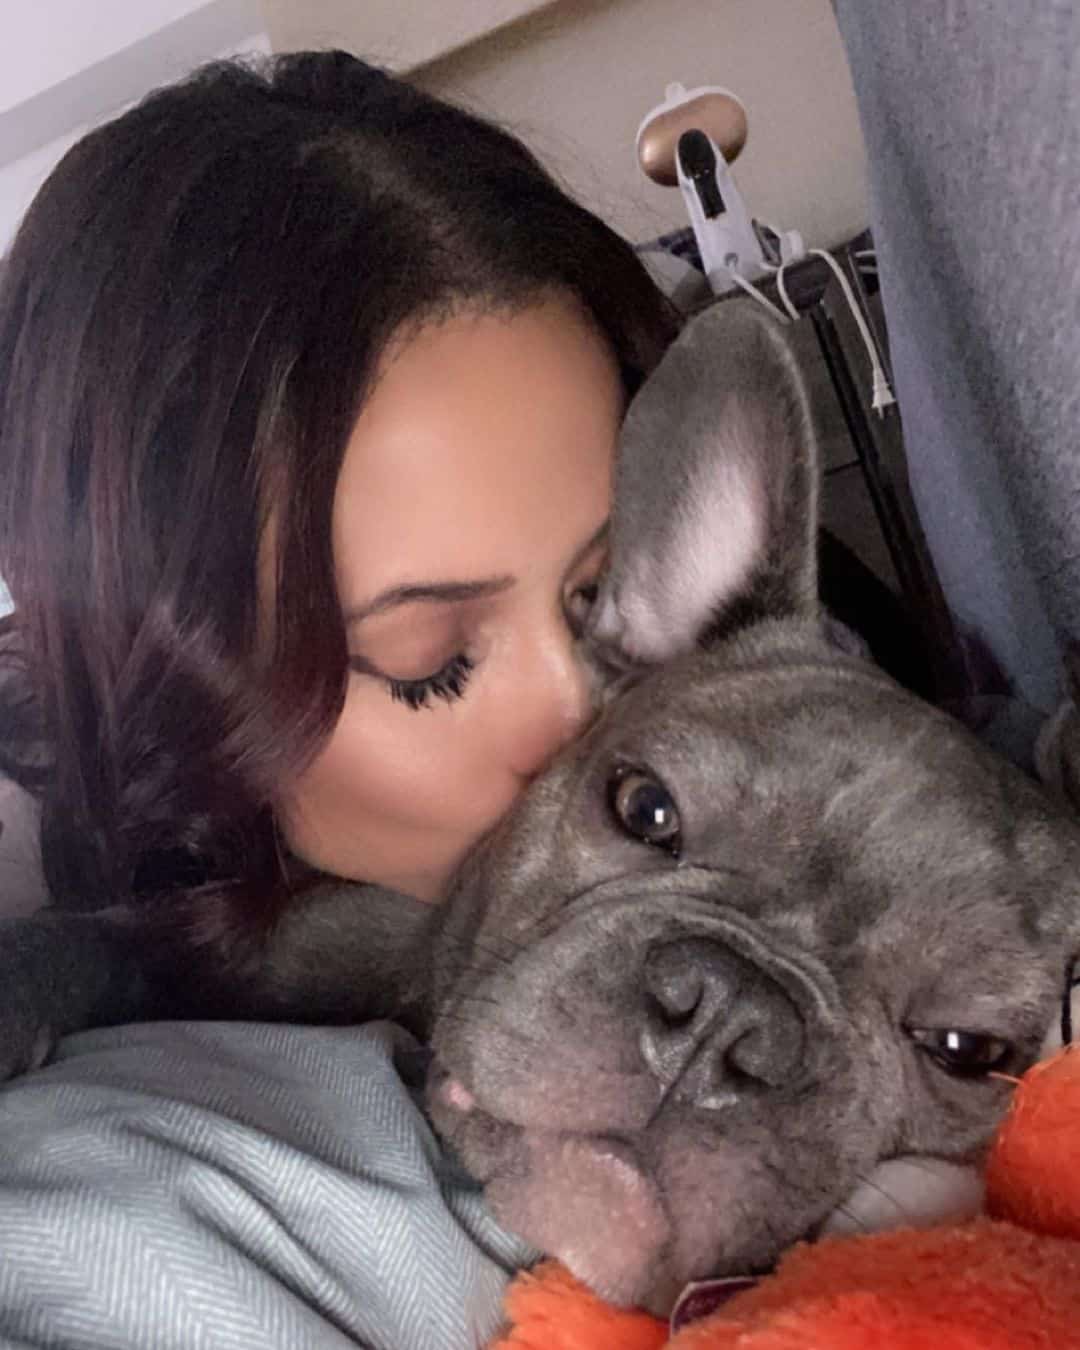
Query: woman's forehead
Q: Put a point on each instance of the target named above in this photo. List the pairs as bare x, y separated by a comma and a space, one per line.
487, 441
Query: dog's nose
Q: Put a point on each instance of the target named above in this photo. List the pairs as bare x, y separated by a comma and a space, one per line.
715, 1024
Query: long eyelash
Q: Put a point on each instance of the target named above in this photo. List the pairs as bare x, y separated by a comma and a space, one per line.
448, 683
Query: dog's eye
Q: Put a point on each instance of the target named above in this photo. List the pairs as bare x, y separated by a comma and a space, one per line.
645, 809
967, 1054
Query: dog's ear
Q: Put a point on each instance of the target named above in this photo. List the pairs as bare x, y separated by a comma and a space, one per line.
715, 517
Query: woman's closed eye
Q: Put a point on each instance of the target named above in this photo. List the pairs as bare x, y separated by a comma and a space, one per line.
406, 641
447, 683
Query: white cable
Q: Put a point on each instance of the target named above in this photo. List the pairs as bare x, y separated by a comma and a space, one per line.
781, 289
752, 290
882, 396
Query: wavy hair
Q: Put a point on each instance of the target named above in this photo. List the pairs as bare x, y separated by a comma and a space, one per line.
190, 316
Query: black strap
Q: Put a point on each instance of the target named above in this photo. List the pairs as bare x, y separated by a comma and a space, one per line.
1071, 980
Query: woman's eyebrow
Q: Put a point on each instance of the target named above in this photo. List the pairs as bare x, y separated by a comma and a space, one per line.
453, 592
444, 592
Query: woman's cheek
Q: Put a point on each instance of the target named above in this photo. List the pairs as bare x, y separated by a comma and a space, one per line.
439, 766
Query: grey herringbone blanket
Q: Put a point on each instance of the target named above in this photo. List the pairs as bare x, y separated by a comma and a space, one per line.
190, 1185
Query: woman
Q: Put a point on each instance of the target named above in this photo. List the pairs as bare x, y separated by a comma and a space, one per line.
311, 386
303, 332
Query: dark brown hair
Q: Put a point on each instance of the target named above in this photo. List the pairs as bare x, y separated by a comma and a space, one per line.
189, 317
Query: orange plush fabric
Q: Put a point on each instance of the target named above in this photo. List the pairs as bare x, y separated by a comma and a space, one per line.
981, 1286
1006, 1283
1033, 1172
550, 1310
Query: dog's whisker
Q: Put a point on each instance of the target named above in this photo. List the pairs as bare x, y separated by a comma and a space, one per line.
508, 944
888, 1196
470, 1021
482, 1001
853, 1218
469, 1015
469, 949
924, 1165
920, 1165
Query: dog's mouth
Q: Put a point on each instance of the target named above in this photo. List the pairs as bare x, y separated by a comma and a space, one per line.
587, 1199
600, 1206
594, 1201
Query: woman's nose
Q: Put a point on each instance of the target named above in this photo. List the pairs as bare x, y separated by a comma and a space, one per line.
556, 703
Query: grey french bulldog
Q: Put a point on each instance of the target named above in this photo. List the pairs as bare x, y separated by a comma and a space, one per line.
769, 926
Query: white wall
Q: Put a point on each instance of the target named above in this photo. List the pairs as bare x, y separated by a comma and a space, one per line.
66, 65
403, 33
576, 79
52, 40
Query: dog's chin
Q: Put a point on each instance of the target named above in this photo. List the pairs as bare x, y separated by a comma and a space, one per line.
591, 1202
585, 1199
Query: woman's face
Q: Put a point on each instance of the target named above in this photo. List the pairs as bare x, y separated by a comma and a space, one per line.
469, 525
